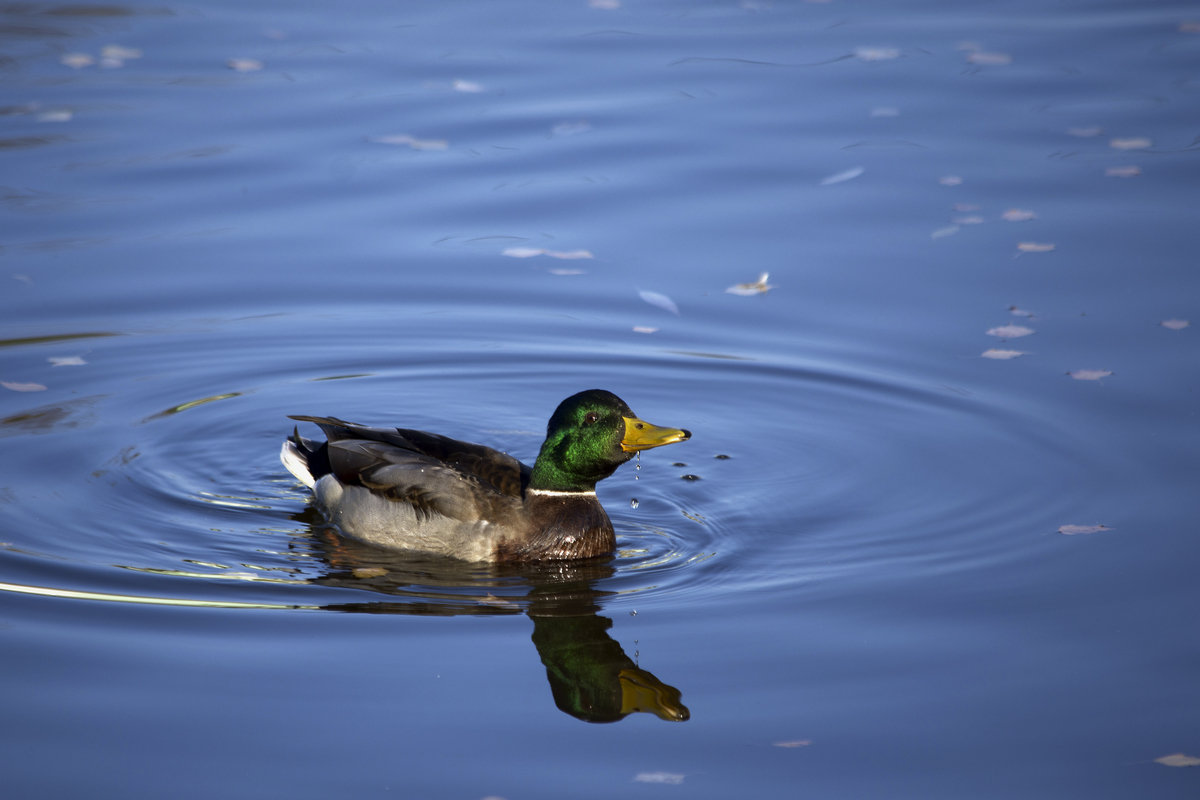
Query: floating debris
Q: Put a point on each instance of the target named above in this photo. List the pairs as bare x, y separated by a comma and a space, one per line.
644, 329
78, 60
659, 300
1089, 374
1178, 760
982, 58
113, 56
530, 252
17, 386
757, 287
66, 361
522, 252
244, 64
1139, 143
1010, 331
411, 141
1175, 324
671, 778
1130, 171
1075, 530
1034, 247
876, 53
842, 177
1002, 355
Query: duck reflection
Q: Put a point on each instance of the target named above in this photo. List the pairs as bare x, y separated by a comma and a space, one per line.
591, 678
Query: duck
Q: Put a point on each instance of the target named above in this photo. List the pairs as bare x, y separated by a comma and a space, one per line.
409, 490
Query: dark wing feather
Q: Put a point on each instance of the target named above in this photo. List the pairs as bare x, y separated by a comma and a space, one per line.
494, 470
401, 475
499, 471
434, 474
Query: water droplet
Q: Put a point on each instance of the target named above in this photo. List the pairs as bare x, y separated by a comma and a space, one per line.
690, 477
633, 613
633, 502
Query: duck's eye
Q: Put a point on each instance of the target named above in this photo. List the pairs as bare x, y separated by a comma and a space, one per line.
591, 418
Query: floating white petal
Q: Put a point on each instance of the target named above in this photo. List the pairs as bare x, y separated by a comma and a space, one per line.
672, 778
530, 252
1134, 143
842, 177
1075, 530
1089, 374
659, 300
1010, 331
1128, 171
876, 53
78, 60
244, 64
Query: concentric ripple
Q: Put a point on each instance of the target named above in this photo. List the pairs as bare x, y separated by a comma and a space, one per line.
798, 472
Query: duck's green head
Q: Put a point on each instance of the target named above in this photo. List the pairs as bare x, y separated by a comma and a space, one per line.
588, 437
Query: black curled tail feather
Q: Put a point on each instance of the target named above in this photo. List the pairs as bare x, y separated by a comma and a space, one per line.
315, 455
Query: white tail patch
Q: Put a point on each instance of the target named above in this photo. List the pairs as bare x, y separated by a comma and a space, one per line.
295, 463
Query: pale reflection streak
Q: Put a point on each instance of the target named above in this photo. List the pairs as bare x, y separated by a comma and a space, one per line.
72, 594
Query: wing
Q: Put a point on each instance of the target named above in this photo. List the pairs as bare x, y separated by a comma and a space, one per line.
415, 466
500, 471
399, 475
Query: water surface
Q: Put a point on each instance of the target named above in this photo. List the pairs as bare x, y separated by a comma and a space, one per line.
449, 216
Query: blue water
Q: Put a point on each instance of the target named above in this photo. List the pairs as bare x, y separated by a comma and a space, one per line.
851, 581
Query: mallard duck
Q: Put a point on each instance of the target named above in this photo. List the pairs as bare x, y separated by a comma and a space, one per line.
411, 490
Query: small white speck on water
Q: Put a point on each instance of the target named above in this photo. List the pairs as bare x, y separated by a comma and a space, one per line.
633, 613
633, 502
